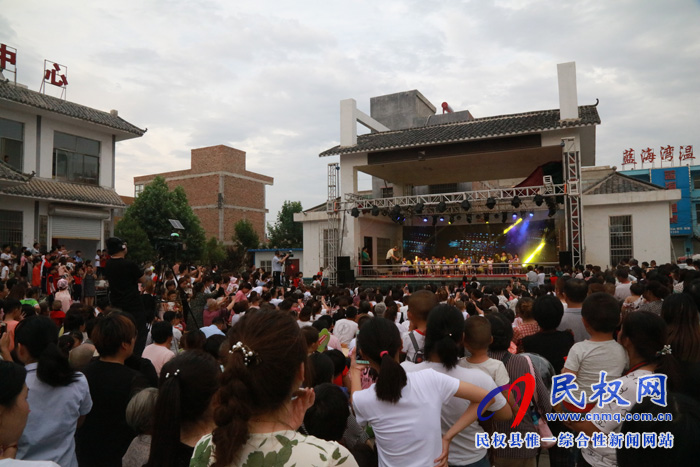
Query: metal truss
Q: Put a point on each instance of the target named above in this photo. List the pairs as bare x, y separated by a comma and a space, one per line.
330, 242
574, 207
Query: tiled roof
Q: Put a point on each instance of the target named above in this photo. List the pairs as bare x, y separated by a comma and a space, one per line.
9, 173
487, 127
620, 183
10, 92
63, 191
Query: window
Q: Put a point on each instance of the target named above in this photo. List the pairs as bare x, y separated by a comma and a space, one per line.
388, 192
620, 239
10, 228
696, 182
442, 188
12, 143
44, 231
266, 266
76, 159
138, 189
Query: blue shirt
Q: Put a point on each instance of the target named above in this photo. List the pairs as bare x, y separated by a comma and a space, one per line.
53, 419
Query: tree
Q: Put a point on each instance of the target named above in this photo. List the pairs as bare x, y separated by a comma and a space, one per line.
286, 233
140, 249
245, 235
151, 211
214, 252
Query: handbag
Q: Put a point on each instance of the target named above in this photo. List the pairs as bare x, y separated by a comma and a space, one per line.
541, 424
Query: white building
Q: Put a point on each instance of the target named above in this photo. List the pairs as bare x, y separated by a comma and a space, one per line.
57, 175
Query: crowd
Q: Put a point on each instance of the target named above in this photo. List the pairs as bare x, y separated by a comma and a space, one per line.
190, 365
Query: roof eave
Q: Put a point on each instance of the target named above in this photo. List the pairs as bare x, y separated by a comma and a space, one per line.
61, 200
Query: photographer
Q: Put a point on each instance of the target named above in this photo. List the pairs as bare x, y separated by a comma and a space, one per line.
278, 266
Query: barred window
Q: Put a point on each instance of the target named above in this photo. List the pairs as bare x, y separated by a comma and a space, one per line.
620, 239
10, 228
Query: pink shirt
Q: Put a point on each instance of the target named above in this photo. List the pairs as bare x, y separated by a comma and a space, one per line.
158, 355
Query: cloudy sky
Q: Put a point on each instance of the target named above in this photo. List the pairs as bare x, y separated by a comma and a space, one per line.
267, 76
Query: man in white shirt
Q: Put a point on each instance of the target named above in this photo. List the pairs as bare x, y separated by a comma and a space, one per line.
217, 326
277, 266
346, 328
622, 289
531, 278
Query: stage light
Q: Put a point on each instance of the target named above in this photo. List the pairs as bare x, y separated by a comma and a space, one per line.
511, 226
396, 210
469, 218
534, 253
515, 202
375, 211
466, 205
442, 219
442, 206
418, 208
354, 212
514, 216
425, 219
539, 199
503, 217
490, 203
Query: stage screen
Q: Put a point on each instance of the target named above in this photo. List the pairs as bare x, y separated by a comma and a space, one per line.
478, 240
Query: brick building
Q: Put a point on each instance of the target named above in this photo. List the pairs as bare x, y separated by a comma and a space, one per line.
219, 189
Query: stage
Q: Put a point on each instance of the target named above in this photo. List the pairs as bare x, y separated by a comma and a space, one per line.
415, 282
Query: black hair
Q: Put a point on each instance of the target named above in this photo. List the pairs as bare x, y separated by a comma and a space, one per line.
187, 384
658, 289
212, 346
576, 290
601, 311
684, 430
637, 288
681, 315
28, 310
169, 316
444, 334
379, 341
161, 331
12, 378
501, 330
548, 312
73, 321
339, 361
350, 312
321, 368
328, 417
194, 340
323, 322
39, 335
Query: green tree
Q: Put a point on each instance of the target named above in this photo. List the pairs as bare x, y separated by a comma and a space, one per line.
152, 209
214, 252
285, 233
140, 249
245, 235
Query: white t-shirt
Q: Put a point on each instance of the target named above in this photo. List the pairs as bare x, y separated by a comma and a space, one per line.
408, 346
408, 432
462, 448
5, 273
495, 369
540, 278
607, 457
345, 330
622, 291
588, 359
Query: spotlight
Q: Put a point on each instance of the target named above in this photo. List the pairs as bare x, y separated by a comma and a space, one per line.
516, 202
418, 208
396, 210
442, 219
532, 214
515, 216
503, 217
354, 212
490, 203
385, 212
442, 206
469, 218
539, 199
486, 218
466, 205
425, 219
375, 211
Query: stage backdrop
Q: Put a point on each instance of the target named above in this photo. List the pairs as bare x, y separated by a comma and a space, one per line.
476, 240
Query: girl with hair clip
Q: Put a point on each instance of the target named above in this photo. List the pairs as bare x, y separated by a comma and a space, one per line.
260, 406
643, 335
184, 408
442, 348
59, 398
405, 409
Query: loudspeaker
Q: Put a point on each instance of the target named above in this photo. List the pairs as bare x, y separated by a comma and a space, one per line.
346, 276
343, 263
566, 259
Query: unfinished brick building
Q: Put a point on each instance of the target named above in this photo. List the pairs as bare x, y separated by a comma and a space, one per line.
219, 189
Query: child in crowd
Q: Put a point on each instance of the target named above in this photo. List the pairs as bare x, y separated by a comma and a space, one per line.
601, 316
159, 352
172, 318
419, 306
551, 344
477, 338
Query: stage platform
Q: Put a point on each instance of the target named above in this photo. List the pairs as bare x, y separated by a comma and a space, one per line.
415, 282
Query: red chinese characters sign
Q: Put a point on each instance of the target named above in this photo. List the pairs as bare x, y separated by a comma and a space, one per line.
55, 74
8, 56
666, 156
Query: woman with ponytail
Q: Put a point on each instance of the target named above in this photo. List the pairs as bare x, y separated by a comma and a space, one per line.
405, 409
259, 405
443, 337
183, 411
643, 335
59, 398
